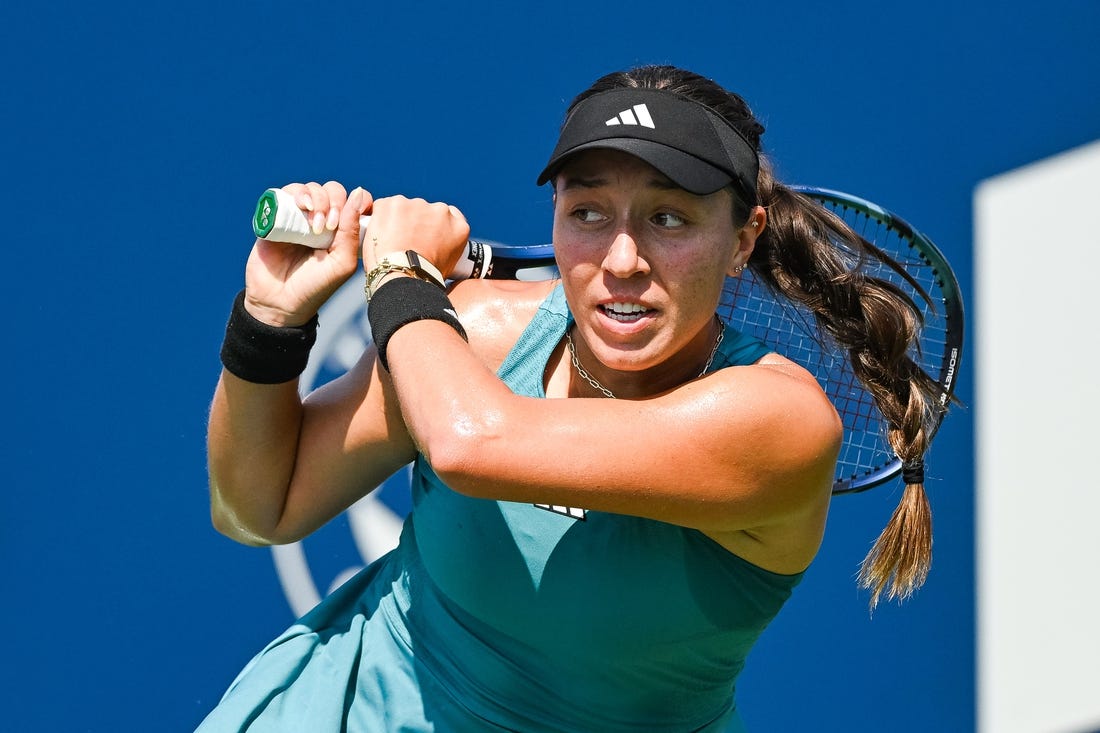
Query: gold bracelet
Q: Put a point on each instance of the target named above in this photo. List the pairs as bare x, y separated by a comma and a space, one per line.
408, 262
379, 272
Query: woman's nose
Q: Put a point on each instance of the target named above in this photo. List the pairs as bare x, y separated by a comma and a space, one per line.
623, 257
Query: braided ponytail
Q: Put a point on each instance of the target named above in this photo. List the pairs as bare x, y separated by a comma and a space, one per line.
798, 256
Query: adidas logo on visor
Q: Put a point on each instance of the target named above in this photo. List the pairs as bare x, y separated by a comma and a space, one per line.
636, 115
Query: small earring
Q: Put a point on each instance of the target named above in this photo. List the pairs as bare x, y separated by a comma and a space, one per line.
738, 270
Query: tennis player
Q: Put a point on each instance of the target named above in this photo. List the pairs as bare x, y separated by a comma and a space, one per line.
613, 493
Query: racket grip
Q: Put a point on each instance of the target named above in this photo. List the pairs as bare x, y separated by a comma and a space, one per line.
278, 219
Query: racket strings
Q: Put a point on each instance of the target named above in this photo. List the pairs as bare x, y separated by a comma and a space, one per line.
792, 330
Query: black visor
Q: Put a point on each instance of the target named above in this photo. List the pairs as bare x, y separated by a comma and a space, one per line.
688, 142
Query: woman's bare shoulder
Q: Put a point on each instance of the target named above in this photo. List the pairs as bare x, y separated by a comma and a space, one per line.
495, 312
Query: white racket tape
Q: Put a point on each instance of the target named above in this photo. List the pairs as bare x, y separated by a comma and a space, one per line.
278, 219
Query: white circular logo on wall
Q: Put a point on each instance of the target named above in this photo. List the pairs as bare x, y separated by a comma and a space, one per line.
312, 568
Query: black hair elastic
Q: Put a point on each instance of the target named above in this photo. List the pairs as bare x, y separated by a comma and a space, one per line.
399, 302
263, 354
912, 472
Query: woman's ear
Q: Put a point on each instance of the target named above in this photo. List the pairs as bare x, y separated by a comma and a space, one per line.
746, 239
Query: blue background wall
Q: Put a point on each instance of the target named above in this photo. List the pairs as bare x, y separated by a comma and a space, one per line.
138, 138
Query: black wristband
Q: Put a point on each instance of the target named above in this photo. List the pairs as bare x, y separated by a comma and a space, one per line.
403, 300
263, 354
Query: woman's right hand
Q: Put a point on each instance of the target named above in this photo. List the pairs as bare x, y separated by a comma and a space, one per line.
286, 284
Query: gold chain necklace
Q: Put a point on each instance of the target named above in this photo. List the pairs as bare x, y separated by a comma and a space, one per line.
608, 393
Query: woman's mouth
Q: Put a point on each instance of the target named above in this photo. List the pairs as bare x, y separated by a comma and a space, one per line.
624, 312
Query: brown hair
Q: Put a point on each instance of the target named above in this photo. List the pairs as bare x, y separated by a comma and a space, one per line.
870, 318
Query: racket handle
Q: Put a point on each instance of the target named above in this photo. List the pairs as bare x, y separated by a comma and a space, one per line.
278, 219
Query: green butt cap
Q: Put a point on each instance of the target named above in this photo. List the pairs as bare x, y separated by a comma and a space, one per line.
264, 218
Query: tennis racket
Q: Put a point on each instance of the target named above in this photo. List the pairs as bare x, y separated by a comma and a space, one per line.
866, 459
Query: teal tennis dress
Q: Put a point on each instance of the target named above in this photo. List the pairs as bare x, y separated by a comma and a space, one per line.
502, 616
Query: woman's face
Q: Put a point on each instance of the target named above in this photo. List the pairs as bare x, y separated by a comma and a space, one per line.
643, 262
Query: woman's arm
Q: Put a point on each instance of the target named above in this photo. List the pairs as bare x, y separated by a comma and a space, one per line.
279, 468
743, 448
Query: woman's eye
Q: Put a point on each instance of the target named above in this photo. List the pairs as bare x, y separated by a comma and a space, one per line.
587, 216
668, 220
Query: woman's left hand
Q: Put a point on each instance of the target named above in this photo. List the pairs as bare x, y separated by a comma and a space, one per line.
437, 232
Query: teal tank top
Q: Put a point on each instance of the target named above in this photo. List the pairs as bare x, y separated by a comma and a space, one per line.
502, 616
584, 622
